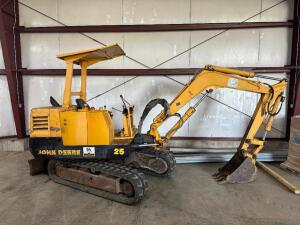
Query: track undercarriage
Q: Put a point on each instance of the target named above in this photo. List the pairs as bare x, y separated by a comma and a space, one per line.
109, 180
102, 173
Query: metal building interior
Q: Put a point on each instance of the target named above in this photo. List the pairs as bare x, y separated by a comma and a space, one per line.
160, 48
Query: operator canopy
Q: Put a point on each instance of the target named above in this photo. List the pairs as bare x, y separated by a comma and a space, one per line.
92, 56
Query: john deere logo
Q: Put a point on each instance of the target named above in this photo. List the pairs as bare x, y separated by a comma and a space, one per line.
88, 151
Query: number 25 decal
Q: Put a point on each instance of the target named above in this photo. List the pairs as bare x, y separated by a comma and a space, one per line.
119, 151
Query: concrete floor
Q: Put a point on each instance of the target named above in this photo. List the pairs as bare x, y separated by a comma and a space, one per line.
191, 196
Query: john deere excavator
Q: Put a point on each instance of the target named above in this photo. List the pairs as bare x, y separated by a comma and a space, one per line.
80, 148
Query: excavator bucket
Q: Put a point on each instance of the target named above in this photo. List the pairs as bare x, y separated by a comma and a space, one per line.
239, 169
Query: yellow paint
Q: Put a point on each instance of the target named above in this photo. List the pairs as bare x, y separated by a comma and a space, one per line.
230, 71
59, 152
45, 122
68, 152
47, 152
214, 77
129, 129
39, 122
74, 128
86, 126
84, 59
268, 126
179, 123
119, 151
94, 55
68, 84
55, 128
100, 128
83, 80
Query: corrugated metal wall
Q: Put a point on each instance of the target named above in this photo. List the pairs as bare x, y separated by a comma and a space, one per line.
7, 125
254, 47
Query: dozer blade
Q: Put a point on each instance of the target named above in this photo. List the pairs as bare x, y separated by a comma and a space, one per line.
239, 169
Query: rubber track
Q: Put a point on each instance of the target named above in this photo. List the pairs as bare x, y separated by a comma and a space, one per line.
167, 156
135, 178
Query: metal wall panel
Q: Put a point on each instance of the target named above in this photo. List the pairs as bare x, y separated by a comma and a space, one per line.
92, 12
153, 48
30, 18
215, 11
7, 125
281, 12
233, 48
274, 47
156, 11
39, 51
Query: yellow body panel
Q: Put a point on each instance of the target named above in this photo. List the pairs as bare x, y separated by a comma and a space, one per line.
74, 128
88, 127
39, 122
45, 122
81, 125
100, 128
55, 128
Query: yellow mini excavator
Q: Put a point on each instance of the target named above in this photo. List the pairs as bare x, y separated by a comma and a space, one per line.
79, 147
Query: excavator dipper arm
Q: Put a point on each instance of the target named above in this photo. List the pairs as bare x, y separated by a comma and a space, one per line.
241, 168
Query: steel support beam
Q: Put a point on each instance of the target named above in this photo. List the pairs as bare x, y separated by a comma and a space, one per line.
154, 27
143, 72
10, 42
294, 90
2, 72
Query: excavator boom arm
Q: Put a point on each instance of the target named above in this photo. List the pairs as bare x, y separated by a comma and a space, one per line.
213, 77
241, 168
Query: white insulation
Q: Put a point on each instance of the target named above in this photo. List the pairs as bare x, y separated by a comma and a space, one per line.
251, 47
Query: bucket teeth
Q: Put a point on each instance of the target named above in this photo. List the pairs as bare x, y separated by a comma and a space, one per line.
238, 170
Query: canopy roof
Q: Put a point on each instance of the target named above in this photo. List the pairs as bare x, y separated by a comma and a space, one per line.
92, 56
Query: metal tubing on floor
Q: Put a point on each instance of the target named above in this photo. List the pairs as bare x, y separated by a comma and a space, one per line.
222, 156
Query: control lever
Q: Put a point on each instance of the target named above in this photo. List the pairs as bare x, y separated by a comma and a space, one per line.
125, 102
